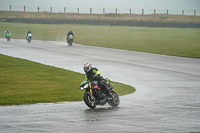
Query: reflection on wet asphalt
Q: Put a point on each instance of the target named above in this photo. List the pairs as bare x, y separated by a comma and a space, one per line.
166, 98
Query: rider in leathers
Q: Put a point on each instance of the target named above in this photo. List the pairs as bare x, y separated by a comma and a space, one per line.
69, 33
94, 74
7, 32
28, 33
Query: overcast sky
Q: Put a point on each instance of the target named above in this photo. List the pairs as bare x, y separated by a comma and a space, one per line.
137, 4
123, 6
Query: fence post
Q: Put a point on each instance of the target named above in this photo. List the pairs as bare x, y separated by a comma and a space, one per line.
24, 8
167, 12
38, 9
103, 10
116, 11
64, 9
130, 11
194, 12
142, 11
10, 7
182, 12
90, 10
78, 10
154, 11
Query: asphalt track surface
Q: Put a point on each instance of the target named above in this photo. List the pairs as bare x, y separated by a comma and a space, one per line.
167, 97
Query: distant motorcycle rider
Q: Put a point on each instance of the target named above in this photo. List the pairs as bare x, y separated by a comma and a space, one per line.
7, 33
94, 74
69, 33
29, 32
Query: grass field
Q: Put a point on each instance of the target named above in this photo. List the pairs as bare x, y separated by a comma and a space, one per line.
26, 82
167, 41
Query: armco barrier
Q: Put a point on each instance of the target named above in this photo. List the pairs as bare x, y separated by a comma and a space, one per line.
103, 22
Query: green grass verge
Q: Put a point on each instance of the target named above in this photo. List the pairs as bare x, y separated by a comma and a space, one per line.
26, 82
167, 41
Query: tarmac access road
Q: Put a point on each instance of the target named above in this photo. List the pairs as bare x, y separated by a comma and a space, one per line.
167, 97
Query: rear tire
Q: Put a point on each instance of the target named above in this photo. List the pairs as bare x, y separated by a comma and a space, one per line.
114, 102
90, 102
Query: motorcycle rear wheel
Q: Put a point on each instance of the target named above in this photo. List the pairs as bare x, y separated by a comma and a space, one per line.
89, 101
114, 102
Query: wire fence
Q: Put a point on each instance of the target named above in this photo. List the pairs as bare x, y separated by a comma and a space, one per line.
97, 10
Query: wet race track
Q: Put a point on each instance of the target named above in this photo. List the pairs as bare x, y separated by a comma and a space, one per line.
167, 97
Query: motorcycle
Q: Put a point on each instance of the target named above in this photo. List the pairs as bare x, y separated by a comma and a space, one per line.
8, 36
94, 95
70, 40
29, 37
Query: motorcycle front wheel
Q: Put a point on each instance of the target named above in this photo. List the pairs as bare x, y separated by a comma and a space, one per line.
114, 102
70, 43
8, 38
89, 101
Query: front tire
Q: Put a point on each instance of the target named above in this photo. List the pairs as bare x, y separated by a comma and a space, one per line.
70, 43
8, 38
89, 101
28, 40
114, 102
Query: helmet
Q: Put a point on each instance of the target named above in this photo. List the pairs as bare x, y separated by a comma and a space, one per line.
29, 31
87, 67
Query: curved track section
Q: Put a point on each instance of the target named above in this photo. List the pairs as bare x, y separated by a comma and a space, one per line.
166, 98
